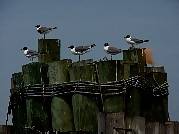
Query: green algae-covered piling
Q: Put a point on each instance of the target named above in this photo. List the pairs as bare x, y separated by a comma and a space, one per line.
111, 71
85, 109
155, 101
18, 104
62, 115
133, 102
135, 55
37, 107
58, 71
35, 73
85, 112
61, 106
49, 50
16, 82
82, 71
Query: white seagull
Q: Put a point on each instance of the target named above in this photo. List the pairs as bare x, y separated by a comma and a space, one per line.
44, 30
134, 41
111, 50
30, 53
80, 50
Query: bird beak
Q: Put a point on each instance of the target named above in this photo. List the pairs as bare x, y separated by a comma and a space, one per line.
21, 49
68, 47
124, 37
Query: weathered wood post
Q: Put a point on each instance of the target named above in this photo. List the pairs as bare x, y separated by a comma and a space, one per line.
155, 103
37, 107
18, 104
49, 50
85, 108
61, 105
111, 71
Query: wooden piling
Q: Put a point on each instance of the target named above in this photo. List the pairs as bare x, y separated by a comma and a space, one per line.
85, 109
111, 71
17, 104
58, 71
49, 50
35, 73
61, 106
38, 109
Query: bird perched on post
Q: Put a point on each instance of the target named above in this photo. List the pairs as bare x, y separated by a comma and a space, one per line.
134, 41
44, 30
30, 53
80, 50
111, 50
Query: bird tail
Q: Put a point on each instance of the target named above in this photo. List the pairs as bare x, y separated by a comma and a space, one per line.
54, 27
93, 45
146, 41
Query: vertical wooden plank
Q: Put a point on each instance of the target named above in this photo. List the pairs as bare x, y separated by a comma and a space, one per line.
49, 50
58, 71
85, 111
101, 123
133, 102
152, 128
115, 103
82, 71
114, 121
169, 128
137, 124
111, 71
35, 73
38, 109
62, 115
18, 104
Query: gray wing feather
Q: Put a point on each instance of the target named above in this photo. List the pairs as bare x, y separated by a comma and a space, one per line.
137, 40
113, 50
81, 48
32, 53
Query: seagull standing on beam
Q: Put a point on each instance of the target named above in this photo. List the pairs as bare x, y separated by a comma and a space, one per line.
111, 50
44, 30
31, 54
134, 41
80, 50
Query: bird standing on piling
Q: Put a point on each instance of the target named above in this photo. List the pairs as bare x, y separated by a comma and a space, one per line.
44, 30
30, 53
80, 50
111, 50
134, 41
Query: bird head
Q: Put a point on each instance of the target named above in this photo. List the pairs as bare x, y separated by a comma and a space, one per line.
127, 36
24, 48
71, 47
37, 26
106, 44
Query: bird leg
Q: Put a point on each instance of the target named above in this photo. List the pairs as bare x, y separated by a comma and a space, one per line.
79, 57
111, 56
44, 36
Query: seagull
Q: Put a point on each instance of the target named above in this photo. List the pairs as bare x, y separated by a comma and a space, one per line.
30, 53
111, 50
44, 30
80, 50
134, 41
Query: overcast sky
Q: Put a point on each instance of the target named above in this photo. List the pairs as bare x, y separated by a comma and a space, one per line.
89, 21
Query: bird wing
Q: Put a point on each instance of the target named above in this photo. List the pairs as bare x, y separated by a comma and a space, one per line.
113, 50
81, 48
44, 29
137, 40
32, 53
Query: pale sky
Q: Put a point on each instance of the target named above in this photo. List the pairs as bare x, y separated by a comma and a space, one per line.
89, 21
